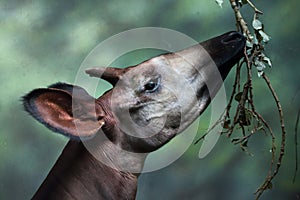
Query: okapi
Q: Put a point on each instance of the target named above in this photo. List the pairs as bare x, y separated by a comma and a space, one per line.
149, 104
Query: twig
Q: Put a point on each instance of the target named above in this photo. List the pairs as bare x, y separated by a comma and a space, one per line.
235, 84
225, 116
258, 115
296, 146
240, 19
254, 8
269, 179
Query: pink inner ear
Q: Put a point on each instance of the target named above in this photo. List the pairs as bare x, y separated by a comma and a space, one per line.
55, 108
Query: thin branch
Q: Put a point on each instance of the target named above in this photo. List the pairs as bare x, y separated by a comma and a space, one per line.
235, 84
269, 179
254, 8
258, 115
296, 146
240, 19
225, 116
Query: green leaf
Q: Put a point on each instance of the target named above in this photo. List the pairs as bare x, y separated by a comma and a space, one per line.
249, 44
219, 2
267, 60
265, 37
238, 96
260, 73
257, 25
249, 48
260, 66
255, 40
249, 51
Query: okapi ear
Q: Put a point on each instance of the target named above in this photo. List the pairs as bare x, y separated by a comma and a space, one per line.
74, 90
110, 74
75, 116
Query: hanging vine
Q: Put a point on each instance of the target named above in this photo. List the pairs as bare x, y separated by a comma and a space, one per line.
246, 117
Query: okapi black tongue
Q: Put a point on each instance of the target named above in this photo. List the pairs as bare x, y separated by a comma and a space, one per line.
110, 74
225, 50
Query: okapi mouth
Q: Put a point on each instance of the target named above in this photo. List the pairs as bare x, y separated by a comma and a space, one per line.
225, 50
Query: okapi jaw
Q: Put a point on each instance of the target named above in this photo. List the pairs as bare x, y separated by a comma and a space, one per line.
157, 99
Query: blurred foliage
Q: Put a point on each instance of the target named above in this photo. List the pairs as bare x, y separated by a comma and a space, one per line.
43, 42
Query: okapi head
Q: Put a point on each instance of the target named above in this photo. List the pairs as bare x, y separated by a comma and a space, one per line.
149, 103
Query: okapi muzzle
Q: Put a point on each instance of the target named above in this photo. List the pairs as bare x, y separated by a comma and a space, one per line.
149, 104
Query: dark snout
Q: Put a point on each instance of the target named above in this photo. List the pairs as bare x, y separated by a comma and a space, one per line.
226, 50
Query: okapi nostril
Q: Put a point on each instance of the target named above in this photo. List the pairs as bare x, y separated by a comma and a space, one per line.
233, 37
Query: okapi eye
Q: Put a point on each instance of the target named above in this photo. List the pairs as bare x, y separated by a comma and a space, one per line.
152, 85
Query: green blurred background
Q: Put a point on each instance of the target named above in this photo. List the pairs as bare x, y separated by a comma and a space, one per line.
43, 42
